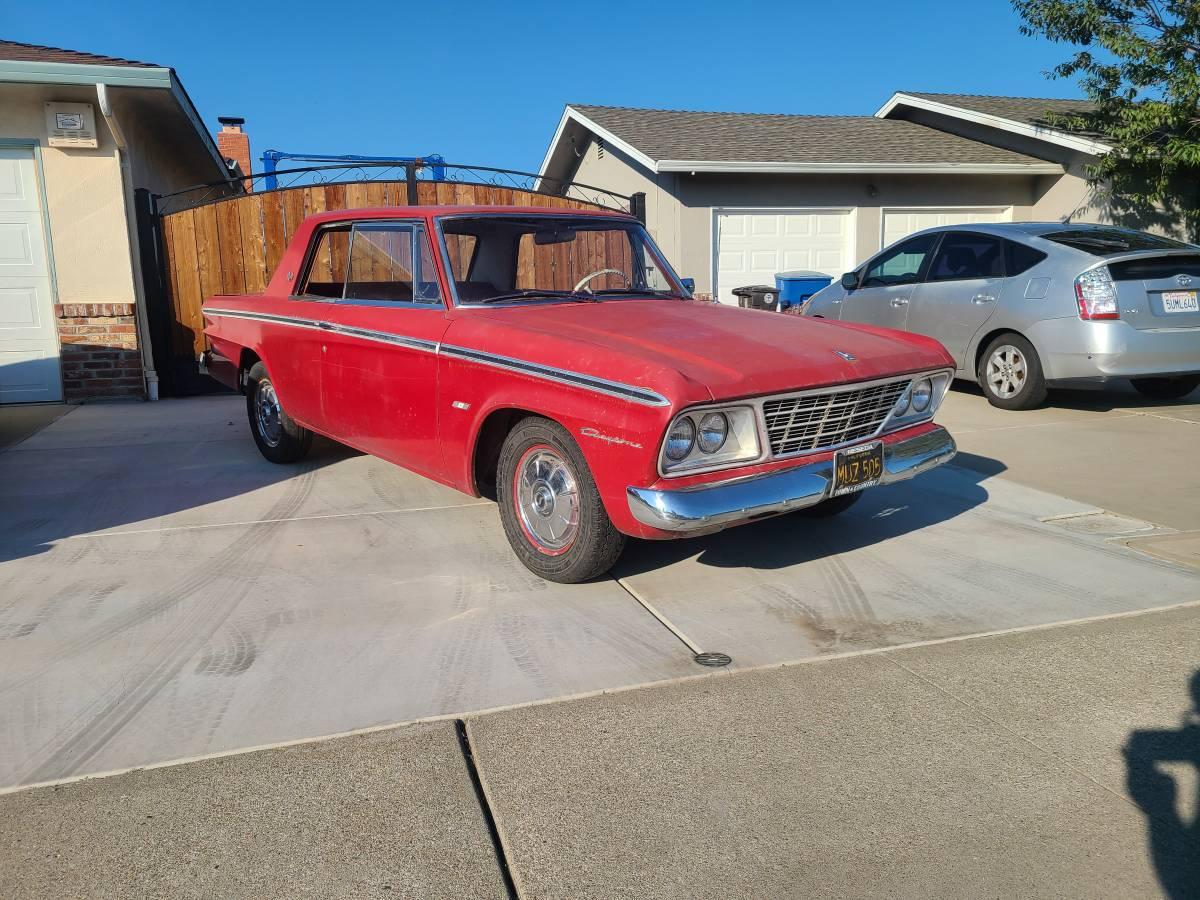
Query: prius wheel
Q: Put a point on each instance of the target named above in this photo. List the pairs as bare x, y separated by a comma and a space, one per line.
1166, 388
1010, 373
277, 435
551, 511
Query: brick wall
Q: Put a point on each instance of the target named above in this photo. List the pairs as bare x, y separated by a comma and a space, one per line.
99, 351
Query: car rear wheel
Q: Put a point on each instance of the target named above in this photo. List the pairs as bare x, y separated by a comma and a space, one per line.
1166, 388
550, 507
277, 435
1010, 373
830, 507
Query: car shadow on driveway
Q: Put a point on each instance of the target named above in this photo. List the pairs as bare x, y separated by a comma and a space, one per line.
1174, 842
63, 493
881, 514
1119, 395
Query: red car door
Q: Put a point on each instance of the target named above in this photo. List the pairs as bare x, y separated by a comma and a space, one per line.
379, 347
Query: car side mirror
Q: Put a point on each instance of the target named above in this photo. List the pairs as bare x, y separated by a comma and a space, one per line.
689, 285
850, 281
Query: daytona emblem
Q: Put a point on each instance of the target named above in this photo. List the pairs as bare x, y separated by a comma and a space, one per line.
591, 432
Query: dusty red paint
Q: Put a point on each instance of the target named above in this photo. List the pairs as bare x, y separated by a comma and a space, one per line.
396, 402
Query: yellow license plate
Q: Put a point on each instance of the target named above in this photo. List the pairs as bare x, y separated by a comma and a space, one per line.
856, 468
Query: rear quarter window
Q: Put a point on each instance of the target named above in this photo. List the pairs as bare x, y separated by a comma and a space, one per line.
1019, 258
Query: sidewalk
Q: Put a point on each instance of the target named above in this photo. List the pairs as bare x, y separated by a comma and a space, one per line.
983, 766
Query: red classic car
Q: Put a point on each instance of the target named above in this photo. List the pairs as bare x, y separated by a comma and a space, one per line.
552, 360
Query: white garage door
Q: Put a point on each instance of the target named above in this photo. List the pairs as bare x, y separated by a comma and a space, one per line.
28, 341
753, 246
899, 223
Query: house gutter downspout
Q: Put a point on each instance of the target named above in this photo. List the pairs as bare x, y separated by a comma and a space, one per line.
139, 287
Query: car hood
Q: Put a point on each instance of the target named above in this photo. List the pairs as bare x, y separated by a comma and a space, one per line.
730, 352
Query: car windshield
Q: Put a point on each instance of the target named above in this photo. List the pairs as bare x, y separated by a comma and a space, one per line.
501, 258
1111, 241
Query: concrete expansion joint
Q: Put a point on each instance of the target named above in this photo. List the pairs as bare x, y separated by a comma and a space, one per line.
485, 808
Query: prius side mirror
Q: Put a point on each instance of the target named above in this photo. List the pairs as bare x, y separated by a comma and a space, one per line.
850, 281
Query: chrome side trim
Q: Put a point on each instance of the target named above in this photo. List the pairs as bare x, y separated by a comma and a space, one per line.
629, 392
294, 321
385, 337
710, 507
562, 376
382, 337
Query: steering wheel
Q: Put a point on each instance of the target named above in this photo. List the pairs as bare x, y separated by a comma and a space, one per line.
586, 278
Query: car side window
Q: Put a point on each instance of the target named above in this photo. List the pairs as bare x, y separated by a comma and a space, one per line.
1020, 258
965, 255
326, 275
391, 262
900, 265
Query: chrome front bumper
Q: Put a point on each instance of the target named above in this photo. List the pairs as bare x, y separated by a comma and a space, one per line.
707, 508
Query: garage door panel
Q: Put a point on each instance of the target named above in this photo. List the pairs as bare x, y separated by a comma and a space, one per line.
900, 223
28, 341
753, 246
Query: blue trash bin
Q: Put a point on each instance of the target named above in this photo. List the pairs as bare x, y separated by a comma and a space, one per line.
797, 286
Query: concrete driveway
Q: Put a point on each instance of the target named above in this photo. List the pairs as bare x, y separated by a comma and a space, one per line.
166, 593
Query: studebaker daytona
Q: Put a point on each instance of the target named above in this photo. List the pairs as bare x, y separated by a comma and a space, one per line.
552, 360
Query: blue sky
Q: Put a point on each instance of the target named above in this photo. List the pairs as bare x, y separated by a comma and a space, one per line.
485, 83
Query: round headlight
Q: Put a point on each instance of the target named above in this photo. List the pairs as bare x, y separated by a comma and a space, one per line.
922, 394
714, 428
681, 438
902, 402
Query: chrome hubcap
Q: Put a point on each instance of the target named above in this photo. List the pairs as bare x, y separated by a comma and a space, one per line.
268, 414
547, 500
1006, 371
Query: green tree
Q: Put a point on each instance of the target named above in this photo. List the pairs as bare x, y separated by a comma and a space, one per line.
1138, 61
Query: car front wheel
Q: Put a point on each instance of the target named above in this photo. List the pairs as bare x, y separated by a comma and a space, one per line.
550, 507
1166, 388
277, 435
1010, 373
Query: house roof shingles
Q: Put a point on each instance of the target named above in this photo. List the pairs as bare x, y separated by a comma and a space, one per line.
15, 51
1029, 110
787, 139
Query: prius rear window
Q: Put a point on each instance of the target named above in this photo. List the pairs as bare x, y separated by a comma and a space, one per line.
1111, 241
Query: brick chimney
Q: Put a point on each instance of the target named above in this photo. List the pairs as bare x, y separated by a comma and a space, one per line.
234, 144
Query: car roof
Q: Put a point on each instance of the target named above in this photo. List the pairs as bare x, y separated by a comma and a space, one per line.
1035, 229
434, 212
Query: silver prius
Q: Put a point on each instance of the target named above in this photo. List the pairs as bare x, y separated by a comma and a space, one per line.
1022, 306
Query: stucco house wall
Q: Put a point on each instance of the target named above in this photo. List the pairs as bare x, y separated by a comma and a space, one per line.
680, 208
88, 240
98, 347
614, 170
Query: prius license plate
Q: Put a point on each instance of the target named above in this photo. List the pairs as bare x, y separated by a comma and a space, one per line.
1180, 302
856, 468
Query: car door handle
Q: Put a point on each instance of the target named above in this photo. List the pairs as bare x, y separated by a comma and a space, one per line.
899, 301
325, 325
982, 298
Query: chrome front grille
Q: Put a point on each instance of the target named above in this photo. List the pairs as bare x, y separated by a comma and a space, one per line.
816, 421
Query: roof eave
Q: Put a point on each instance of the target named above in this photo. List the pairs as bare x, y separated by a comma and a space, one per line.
570, 114
852, 168
39, 72
154, 77
1037, 132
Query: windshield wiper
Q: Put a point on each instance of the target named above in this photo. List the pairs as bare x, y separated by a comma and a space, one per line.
573, 296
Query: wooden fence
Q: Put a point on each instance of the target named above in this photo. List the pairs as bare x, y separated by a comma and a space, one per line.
232, 246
